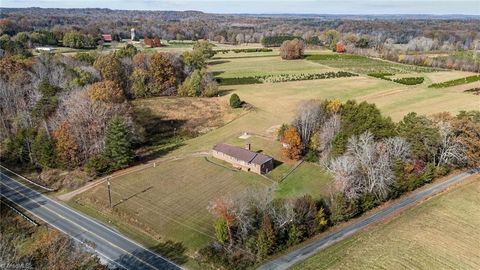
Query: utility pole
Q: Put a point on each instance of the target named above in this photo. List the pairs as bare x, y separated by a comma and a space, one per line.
109, 193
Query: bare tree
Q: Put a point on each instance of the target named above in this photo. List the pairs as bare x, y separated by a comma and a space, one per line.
451, 150
367, 166
308, 119
327, 132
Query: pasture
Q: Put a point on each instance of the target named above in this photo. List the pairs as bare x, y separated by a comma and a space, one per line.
170, 200
441, 233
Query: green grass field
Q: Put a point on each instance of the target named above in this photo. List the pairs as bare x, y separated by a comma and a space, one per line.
441, 233
176, 205
364, 65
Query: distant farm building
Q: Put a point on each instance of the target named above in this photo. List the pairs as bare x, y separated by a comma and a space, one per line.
243, 158
340, 48
107, 38
152, 42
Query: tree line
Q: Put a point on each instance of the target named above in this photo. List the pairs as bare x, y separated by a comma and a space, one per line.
67, 112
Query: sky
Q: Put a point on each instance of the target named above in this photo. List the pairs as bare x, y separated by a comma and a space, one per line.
438, 7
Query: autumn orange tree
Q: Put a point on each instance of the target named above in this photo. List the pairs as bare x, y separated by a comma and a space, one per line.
162, 73
66, 146
110, 68
293, 144
106, 91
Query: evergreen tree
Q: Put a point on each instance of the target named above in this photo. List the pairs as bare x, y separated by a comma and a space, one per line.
43, 149
118, 148
266, 239
235, 101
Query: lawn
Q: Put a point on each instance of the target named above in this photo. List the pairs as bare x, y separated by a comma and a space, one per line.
441, 233
170, 201
308, 178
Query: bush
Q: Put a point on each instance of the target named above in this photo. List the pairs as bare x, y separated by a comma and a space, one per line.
410, 80
235, 101
97, 165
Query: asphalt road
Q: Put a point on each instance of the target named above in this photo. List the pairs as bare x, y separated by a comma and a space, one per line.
114, 248
288, 260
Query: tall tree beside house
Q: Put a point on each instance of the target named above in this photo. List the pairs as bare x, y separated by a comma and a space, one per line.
294, 146
118, 147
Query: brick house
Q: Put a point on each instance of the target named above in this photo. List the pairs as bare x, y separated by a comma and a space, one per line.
243, 158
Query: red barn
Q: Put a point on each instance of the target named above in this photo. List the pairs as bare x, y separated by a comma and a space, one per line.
340, 48
107, 38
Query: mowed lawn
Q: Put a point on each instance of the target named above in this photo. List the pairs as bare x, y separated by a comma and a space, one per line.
170, 201
441, 233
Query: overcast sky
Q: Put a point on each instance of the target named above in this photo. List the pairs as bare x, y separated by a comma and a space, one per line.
471, 7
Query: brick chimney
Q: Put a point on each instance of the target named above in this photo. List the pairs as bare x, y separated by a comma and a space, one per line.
248, 147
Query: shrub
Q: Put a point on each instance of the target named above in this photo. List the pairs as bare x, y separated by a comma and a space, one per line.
235, 101
292, 49
97, 165
410, 80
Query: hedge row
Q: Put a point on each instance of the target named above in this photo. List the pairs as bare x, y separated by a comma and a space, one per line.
410, 80
456, 82
249, 50
284, 78
406, 81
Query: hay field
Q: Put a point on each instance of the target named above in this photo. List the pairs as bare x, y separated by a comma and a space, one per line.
441, 233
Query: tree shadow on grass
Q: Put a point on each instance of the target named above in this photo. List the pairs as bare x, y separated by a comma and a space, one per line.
161, 135
175, 251
218, 62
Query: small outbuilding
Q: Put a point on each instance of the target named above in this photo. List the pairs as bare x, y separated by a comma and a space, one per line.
243, 158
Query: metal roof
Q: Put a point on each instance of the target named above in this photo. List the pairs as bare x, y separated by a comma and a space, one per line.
242, 154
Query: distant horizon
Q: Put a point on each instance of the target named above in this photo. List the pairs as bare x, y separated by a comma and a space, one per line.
271, 7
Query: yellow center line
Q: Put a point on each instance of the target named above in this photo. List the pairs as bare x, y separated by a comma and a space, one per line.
79, 226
